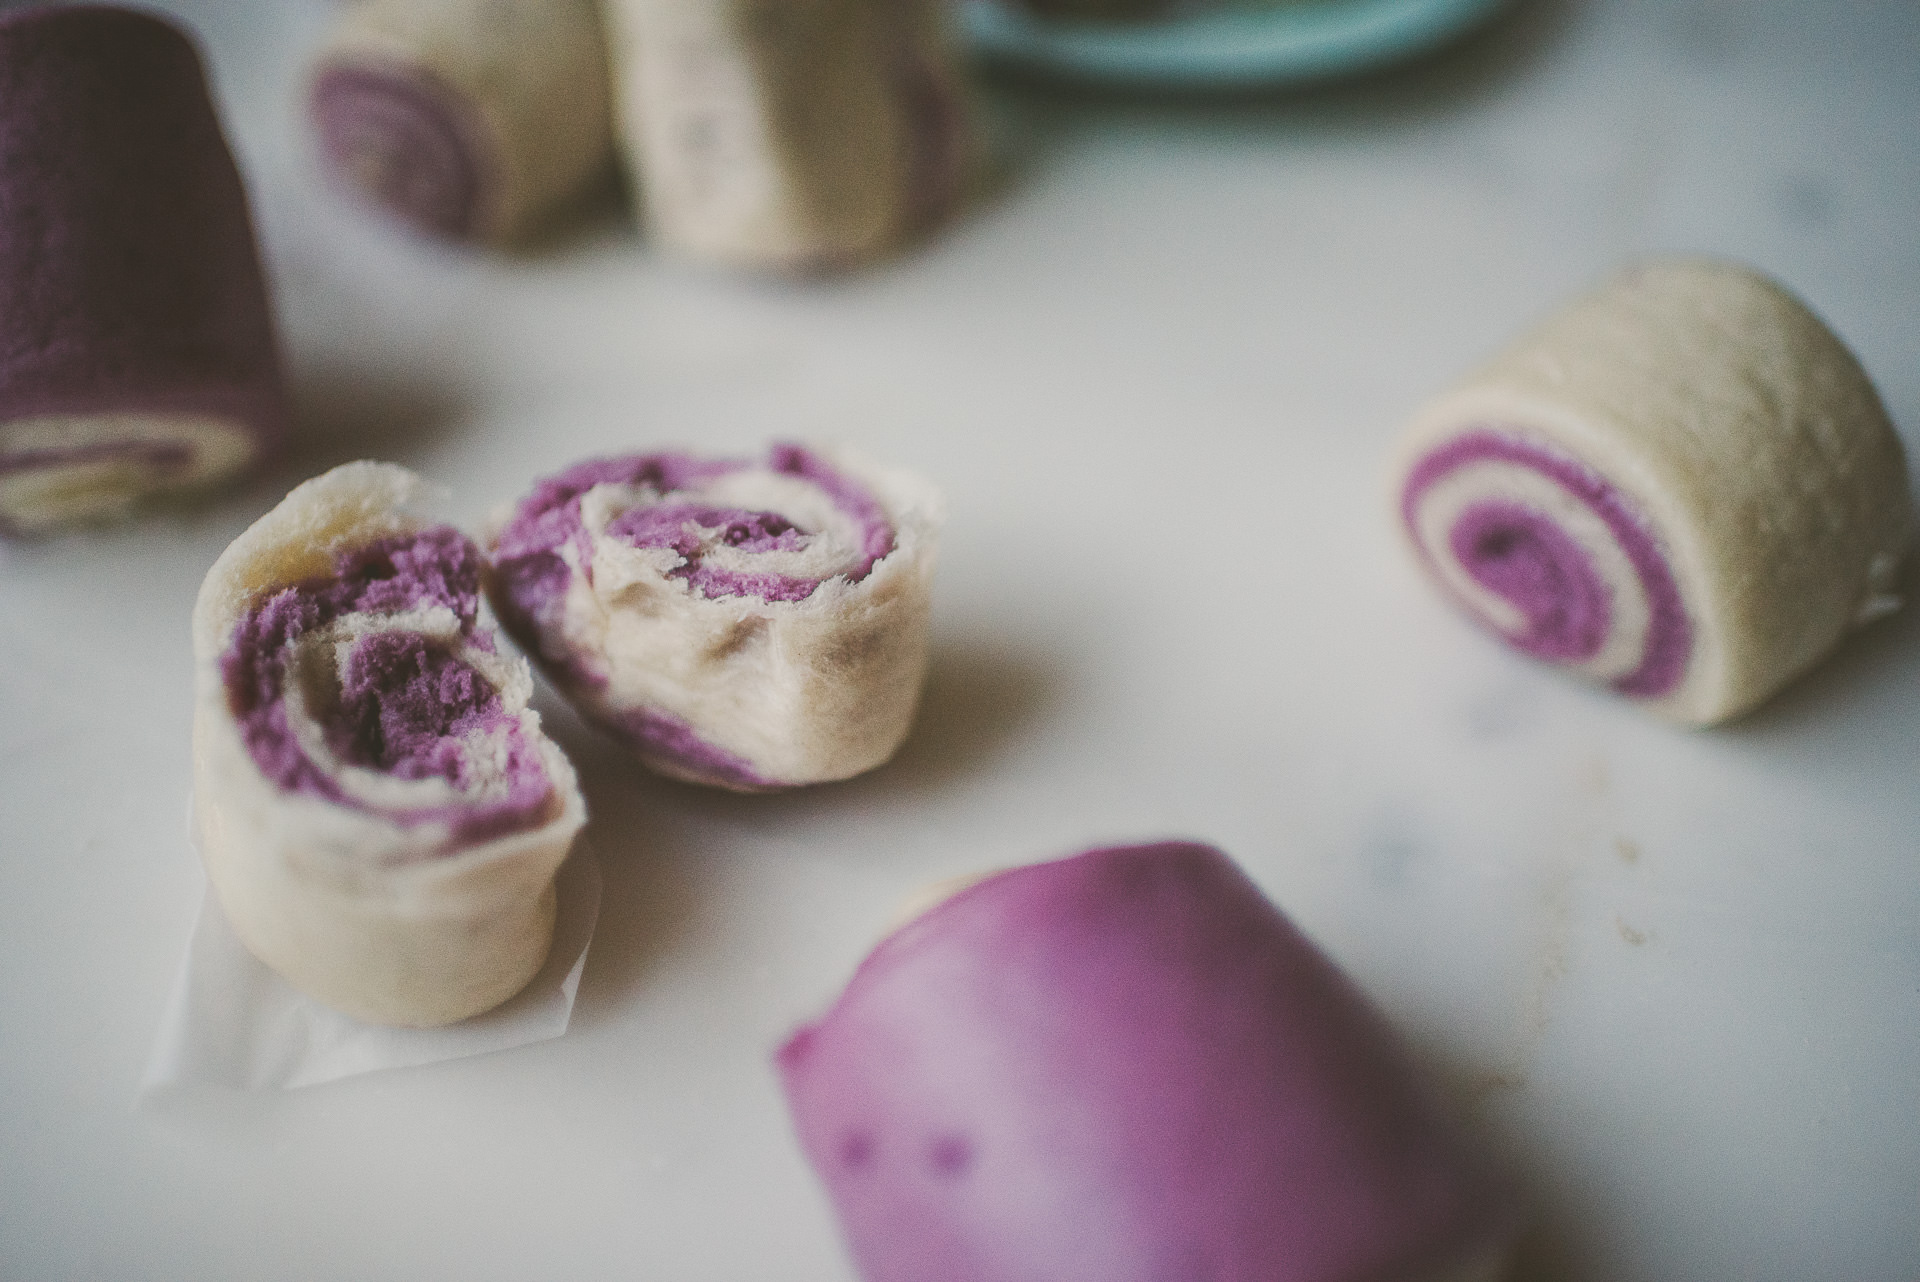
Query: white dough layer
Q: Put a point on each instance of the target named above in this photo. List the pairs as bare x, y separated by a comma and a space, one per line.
92, 467
531, 73
390, 922
794, 136
1691, 414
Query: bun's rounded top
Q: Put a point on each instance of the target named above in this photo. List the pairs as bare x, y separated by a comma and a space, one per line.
1124, 1066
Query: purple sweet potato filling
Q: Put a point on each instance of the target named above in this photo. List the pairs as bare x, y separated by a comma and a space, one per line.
1127, 1067
666, 525
530, 575
659, 736
406, 142
405, 700
530, 572
1519, 553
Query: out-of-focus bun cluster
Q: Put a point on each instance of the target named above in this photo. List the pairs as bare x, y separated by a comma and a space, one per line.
802, 136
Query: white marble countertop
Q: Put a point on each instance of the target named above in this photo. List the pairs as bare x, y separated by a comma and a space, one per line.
1675, 975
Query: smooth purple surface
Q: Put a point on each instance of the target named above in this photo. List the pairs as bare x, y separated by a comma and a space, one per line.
127, 251
529, 572
407, 143
1669, 642
403, 700
1126, 1066
1518, 553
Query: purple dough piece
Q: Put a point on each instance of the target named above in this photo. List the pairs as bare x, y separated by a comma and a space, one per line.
405, 700
126, 248
1559, 603
1127, 1066
409, 144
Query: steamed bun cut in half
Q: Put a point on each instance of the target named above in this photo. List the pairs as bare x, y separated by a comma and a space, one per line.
469, 120
1127, 1066
379, 812
750, 623
137, 348
792, 135
1682, 486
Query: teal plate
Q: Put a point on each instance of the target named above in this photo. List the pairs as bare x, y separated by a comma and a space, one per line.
1234, 46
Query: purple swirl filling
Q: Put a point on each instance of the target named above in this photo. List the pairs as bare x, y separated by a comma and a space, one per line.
1520, 554
675, 525
531, 575
531, 568
407, 143
405, 703
658, 736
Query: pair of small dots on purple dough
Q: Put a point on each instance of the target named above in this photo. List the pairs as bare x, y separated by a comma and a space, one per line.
1522, 555
1128, 1065
945, 1157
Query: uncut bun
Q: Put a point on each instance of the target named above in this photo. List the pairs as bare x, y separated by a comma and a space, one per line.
1682, 486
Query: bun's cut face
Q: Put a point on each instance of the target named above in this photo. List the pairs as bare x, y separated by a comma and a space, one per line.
379, 812
468, 120
1681, 486
750, 623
